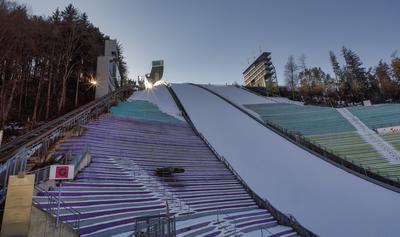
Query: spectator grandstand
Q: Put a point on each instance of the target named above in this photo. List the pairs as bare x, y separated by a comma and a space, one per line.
393, 139
120, 184
378, 116
326, 128
306, 120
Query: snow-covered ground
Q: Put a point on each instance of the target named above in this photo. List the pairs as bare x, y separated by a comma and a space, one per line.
285, 100
159, 96
241, 96
324, 198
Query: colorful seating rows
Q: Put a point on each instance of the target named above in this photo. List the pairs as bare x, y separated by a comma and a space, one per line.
120, 184
378, 116
325, 127
306, 120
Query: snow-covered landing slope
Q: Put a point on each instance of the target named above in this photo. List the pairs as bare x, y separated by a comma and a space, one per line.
324, 198
241, 96
159, 96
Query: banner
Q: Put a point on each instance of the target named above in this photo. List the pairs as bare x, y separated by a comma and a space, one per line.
388, 130
60, 172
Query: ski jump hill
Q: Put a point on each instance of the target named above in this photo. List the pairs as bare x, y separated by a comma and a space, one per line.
326, 199
241, 178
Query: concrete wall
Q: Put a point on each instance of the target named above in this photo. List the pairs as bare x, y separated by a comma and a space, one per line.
87, 158
110, 48
43, 225
105, 76
102, 76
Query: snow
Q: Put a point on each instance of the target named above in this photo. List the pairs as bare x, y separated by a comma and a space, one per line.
241, 96
285, 100
383, 147
327, 200
159, 95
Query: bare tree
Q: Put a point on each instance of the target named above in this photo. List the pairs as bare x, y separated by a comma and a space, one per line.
291, 75
39, 60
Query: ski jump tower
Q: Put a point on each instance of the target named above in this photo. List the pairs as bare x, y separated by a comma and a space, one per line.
108, 77
156, 73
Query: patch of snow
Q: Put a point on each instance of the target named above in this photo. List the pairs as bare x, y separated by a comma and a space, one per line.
285, 100
159, 95
327, 200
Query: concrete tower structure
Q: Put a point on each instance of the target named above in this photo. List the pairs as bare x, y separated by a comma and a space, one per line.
108, 77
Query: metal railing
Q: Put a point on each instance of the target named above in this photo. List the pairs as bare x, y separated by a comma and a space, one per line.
78, 116
15, 154
12, 167
336, 159
155, 226
53, 202
282, 218
42, 174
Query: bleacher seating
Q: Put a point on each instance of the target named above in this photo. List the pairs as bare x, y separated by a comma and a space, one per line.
307, 120
141, 109
120, 184
325, 127
378, 116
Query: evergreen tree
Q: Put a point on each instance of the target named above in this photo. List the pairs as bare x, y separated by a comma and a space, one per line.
355, 75
396, 69
45, 63
337, 70
386, 86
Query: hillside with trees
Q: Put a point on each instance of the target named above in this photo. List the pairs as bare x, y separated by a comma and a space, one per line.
46, 63
351, 83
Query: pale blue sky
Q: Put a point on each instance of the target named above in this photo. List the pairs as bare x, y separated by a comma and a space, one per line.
211, 41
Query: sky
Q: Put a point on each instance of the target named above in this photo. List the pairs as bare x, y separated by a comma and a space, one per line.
213, 41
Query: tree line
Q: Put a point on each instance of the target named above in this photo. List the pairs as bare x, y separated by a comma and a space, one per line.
46, 63
350, 84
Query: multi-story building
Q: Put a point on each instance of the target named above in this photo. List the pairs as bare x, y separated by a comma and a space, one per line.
260, 72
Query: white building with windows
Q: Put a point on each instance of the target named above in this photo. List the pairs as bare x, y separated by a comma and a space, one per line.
259, 71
